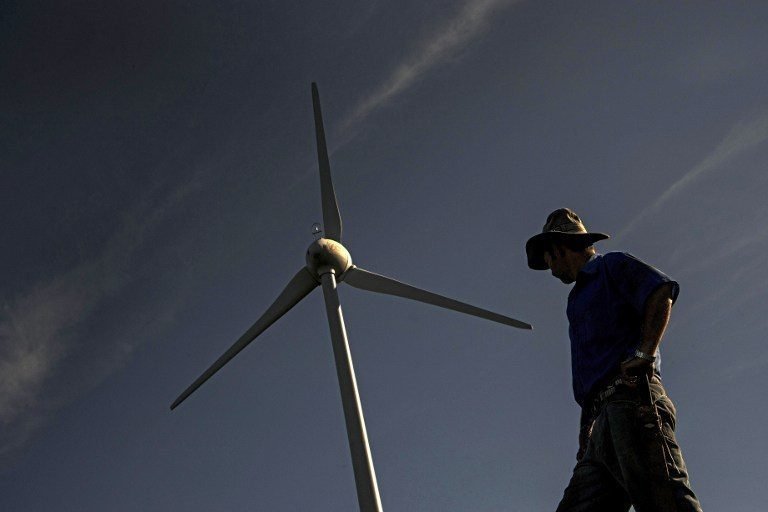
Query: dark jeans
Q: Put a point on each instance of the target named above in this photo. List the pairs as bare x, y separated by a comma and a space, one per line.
627, 462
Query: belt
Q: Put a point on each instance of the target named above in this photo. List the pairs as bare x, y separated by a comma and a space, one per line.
606, 391
609, 389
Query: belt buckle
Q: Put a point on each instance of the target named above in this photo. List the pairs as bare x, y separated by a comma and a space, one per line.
608, 390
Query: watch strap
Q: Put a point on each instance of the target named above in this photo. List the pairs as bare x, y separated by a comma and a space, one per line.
643, 355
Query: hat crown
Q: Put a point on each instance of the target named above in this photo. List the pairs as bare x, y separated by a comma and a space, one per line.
564, 220
561, 225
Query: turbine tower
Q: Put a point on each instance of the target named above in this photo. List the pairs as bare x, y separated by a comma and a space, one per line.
328, 264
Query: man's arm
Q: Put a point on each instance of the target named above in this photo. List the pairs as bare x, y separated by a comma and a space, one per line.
658, 309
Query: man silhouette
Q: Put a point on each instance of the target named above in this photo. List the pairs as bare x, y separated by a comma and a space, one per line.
618, 310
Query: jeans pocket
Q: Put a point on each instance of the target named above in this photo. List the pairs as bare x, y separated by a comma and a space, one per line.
667, 411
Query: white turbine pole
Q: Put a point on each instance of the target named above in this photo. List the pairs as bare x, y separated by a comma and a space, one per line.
362, 463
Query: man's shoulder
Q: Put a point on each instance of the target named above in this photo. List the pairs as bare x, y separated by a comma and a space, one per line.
624, 268
621, 259
617, 256
608, 259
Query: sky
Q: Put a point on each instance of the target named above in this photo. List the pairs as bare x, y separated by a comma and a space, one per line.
159, 186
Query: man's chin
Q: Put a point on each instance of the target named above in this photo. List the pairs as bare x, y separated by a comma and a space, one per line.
566, 280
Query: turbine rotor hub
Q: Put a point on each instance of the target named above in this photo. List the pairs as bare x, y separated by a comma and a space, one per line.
325, 255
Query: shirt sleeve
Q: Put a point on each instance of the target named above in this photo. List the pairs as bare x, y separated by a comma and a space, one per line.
635, 280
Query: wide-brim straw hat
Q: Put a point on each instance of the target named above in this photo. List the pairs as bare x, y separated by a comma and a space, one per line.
562, 224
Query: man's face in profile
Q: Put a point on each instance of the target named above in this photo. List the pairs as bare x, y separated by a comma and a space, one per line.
559, 263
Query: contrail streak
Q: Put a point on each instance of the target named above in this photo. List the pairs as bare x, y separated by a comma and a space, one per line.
469, 23
744, 136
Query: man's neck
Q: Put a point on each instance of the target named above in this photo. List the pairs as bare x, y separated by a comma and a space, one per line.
580, 260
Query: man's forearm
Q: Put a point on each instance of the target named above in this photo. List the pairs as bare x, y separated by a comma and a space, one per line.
658, 309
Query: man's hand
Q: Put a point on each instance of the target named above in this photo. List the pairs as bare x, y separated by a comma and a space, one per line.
584, 434
586, 422
635, 367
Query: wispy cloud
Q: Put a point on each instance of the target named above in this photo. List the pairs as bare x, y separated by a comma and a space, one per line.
743, 136
37, 328
470, 22
707, 227
756, 364
730, 247
31, 336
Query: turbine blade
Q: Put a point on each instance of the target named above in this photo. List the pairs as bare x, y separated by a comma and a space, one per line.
298, 288
331, 215
366, 280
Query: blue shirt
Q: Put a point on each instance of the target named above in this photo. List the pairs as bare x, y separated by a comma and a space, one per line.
605, 311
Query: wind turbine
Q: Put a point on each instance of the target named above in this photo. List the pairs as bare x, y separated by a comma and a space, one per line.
328, 264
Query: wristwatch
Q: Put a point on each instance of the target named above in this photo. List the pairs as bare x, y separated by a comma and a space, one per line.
643, 355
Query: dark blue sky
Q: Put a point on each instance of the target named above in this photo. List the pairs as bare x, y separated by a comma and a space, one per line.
159, 188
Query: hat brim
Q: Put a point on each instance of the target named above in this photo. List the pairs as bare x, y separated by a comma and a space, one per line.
537, 244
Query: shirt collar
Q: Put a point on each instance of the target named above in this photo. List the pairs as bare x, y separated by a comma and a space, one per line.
590, 267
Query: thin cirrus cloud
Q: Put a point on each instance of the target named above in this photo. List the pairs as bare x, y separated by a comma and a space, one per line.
470, 22
37, 328
745, 135
32, 340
